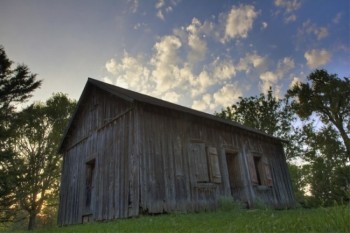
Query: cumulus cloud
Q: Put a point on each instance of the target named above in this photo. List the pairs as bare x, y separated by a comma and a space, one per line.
269, 79
308, 28
263, 25
160, 4
165, 61
316, 58
284, 65
337, 18
290, 6
249, 61
223, 69
239, 22
206, 102
227, 95
134, 5
160, 15
295, 81
195, 42
180, 68
321, 32
290, 18
171, 97
130, 73
163, 7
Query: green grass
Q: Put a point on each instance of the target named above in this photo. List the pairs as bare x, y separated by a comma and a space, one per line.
336, 219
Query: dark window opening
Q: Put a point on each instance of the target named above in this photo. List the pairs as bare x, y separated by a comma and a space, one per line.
90, 169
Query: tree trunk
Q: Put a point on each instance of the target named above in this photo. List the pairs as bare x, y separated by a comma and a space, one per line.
32, 220
345, 139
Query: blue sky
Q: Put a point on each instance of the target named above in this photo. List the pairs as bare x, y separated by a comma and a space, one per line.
201, 54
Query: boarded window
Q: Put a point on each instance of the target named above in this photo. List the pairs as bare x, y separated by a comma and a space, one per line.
252, 170
214, 166
199, 161
267, 172
259, 170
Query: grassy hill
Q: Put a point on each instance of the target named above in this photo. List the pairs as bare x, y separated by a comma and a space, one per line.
336, 219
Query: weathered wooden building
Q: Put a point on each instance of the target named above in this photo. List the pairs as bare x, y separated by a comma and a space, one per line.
126, 154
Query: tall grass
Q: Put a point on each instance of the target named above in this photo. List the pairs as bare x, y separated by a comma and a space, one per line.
234, 219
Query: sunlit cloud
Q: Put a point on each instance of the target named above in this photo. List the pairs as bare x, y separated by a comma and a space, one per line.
316, 58
165, 7
227, 95
134, 5
197, 44
239, 22
337, 18
289, 7
309, 28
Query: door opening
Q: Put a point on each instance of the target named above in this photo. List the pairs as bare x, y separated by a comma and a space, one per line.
235, 174
89, 184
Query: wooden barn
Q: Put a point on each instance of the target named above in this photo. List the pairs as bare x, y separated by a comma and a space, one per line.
126, 154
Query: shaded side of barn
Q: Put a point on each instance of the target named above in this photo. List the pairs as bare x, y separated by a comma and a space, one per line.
126, 154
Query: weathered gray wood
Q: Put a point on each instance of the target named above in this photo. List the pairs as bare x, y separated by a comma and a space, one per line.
151, 159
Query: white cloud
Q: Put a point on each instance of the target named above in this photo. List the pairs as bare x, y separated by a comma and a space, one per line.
290, 18
311, 28
160, 15
134, 5
164, 7
201, 83
337, 18
111, 66
289, 5
321, 32
223, 69
263, 25
204, 104
165, 62
130, 73
172, 97
160, 4
316, 58
227, 95
272, 78
295, 81
195, 42
239, 22
249, 61
285, 65
269, 79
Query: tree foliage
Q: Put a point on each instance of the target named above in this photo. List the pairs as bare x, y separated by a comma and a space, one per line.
322, 170
325, 171
267, 114
16, 86
37, 162
328, 97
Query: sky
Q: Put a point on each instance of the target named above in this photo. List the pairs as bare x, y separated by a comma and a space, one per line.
202, 54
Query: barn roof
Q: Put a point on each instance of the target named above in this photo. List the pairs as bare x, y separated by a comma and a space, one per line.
132, 96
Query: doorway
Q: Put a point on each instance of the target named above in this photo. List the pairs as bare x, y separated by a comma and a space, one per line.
89, 184
235, 174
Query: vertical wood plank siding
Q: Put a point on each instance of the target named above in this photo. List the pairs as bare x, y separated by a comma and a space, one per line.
168, 181
112, 145
144, 163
